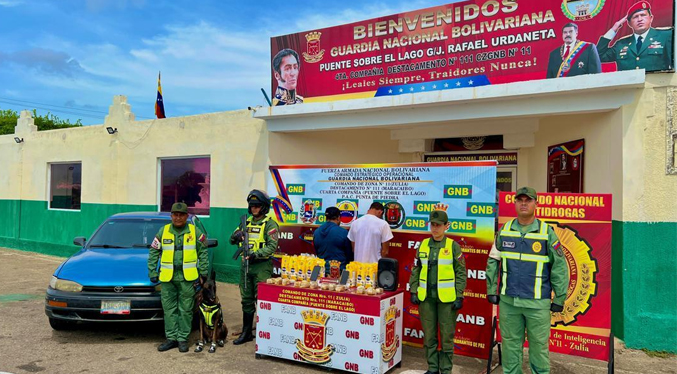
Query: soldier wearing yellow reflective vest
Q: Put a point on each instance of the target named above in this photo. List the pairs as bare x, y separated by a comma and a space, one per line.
263, 235
532, 267
436, 284
182, 251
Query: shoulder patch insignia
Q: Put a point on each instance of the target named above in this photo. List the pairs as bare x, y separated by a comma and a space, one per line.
273, 234
558, 248
202, 238
156, 244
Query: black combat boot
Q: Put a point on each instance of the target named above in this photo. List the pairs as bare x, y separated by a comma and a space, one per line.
247, 324
169, 344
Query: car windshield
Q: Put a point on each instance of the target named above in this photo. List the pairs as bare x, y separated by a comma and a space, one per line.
125, 233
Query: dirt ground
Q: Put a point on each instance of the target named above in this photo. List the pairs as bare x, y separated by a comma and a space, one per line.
29, 345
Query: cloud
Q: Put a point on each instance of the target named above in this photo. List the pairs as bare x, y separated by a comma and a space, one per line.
206, 66
44, 60
10, 3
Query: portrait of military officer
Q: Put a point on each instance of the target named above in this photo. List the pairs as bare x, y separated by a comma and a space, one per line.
286, 68
574, 57
646, 48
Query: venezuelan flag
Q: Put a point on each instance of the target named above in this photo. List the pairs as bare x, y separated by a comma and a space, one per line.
159, 104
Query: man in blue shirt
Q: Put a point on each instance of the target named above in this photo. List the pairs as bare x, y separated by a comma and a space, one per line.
331, 241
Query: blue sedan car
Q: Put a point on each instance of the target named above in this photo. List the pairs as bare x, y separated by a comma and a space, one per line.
107, 280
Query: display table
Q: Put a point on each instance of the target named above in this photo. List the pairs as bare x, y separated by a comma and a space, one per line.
339, 330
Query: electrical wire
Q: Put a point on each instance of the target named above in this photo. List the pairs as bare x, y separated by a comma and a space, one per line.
57, 110
70, 110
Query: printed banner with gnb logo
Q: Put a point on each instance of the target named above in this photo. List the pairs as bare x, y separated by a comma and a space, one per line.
409, 192
582, 223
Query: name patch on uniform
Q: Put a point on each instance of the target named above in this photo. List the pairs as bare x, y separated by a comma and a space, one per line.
167, 241
256, 230
508, 244
423, 255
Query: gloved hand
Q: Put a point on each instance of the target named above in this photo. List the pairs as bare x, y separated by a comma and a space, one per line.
494, 299
458, 304
154, 279
414, 299
237, 237
556, 308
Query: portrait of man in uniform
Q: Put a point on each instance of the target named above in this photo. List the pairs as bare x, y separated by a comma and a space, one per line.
574, 57
286, 68
646, 48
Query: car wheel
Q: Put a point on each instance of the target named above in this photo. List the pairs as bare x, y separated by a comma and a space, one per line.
59, 324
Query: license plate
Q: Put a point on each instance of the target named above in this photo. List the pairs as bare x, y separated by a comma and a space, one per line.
115, 306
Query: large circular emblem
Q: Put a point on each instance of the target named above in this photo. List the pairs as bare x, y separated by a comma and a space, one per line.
308, 212
581, 10
582, 273
394, 214
348, 211
536, 247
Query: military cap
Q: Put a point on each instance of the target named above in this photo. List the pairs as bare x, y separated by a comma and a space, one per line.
439, 216
637, 7
179, 208
528, 191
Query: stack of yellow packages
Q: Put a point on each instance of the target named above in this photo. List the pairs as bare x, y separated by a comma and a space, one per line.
362, 277
297, 270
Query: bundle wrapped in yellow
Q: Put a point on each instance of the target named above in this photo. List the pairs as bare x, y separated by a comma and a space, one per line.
292, 268
283, 267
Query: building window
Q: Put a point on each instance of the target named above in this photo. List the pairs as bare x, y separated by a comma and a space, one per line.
65, 186
185, 180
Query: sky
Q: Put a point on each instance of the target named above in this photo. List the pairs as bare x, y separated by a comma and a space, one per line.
70, 57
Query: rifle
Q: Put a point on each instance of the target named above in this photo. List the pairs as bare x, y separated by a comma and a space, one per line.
243, 248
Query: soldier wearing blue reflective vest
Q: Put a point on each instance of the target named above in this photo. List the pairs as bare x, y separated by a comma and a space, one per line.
532, 268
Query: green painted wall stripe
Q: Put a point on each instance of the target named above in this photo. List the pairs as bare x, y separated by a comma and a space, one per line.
617, 279
37, 229
649, 285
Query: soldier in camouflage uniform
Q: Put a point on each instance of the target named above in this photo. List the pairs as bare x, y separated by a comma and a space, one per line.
263, 235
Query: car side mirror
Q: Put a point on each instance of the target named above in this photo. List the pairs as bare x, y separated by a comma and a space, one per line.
80, 241
212, 243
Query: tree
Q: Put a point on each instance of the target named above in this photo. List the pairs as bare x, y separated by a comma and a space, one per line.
49, 121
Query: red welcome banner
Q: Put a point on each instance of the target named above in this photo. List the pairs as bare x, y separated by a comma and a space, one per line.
582, 223
468, 44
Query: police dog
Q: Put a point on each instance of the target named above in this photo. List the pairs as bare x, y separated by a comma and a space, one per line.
212, 328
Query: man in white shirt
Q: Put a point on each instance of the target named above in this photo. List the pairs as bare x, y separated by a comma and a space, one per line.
370, 235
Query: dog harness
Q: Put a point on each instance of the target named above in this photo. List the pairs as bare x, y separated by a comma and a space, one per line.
208, 313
